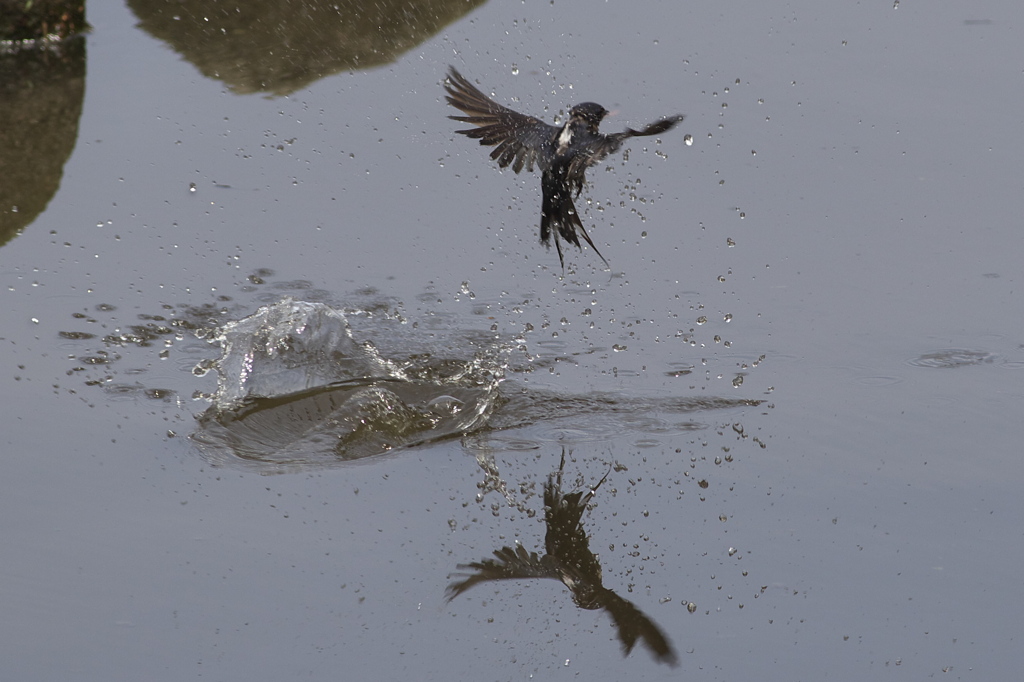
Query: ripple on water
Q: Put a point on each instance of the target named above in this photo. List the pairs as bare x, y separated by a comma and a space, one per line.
876, 381
953, 357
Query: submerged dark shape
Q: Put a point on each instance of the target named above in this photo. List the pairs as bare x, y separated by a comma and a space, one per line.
562, 153
569, 560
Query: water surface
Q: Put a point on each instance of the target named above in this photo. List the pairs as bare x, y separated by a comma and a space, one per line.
801, 372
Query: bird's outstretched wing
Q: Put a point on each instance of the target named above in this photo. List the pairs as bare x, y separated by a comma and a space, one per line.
603, 145
519, 138
511, 563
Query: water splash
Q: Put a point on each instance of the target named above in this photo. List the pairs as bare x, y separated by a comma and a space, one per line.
296, 391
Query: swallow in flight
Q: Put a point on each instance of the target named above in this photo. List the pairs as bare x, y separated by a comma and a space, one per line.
563, 153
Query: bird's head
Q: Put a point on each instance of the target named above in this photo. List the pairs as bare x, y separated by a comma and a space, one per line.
590, 113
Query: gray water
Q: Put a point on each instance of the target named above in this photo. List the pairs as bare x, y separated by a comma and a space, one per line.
802, 371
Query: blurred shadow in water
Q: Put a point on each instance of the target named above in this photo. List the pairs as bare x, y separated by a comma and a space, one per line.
568, 559
280, 46
41, 93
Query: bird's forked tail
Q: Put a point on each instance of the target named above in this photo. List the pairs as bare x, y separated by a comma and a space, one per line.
558, 216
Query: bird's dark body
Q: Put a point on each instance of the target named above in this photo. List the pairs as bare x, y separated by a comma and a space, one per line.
562, 153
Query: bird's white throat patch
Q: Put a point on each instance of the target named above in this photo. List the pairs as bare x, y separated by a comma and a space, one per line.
564, 138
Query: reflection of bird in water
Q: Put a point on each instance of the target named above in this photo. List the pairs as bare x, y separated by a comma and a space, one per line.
569, 560
562, 153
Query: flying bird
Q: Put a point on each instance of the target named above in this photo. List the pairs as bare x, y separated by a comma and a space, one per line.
563, 153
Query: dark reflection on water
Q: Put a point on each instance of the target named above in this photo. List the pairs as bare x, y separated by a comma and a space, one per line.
41, 94
568, 558
280, 46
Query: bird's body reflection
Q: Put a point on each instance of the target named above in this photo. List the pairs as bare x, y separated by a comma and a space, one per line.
568, 558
